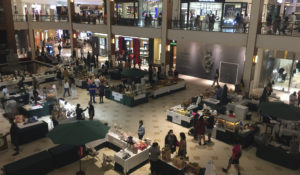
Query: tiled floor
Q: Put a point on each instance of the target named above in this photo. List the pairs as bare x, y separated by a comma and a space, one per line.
156, 125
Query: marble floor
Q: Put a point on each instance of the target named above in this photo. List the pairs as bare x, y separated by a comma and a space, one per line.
154, 116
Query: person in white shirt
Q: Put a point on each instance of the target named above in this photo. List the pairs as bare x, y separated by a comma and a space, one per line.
67, 88
293, 99
5, 91
246, 21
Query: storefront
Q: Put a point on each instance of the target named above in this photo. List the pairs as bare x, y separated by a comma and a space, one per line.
282, 68
149, 49
138, 9
223, 11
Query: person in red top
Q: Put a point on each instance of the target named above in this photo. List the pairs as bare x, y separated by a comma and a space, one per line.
298, 98
235, 157
201, 130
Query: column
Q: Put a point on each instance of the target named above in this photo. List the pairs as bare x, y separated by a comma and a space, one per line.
20, 7
141, 3
258, 67
251, 50
31, 32
9, 24
110, 37
166, 24
71, 12
176, 10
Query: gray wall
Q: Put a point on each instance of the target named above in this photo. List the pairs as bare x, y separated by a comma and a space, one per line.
190, 57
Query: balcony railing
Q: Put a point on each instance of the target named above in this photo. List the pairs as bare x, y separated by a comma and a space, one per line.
88, 20
137, 22
20, 18
50, 18
283, 28
217, 26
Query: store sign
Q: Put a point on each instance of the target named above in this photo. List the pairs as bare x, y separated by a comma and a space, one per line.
117, 96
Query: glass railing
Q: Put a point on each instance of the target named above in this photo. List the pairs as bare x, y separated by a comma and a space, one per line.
20, 18
283, 28
50, 18
88, 20
137, 22
217, 26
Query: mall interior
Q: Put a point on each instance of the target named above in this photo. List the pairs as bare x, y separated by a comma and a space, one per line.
162, 87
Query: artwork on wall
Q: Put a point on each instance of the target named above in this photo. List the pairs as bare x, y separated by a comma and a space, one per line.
208, 62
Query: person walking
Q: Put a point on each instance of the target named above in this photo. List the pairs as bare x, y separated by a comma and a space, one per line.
59, 77
206, 26
237, 22
66, 88
212, 21
224, 98
216, 78
201, 130
285, 24
73, 90
182, 146
141, 130
269, 23
276, 25
154, 157
14, 137
92, 90
246, 21
101, 92
293, 99
235, 157
91, 111
81, 52
59, 49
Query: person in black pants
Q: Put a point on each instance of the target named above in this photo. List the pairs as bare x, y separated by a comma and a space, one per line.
91, 111
154, 157
14, 136
210, 126
79, 112
101, 92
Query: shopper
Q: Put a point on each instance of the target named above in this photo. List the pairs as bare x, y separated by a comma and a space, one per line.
210, 126
154, 157
212, 20
269, 23
59, 49
14, 137
91, 111
141, 130
92, 90
285, 24
276, 25
293, 99
79, 112
73, 90
97, 82
159, 19
216, 78
182, 146
224, 99
66, 88
59, 77
298, 98
266, 93
235, 157
171, 141
246, 21
81, 52
195, 120
101, 92
237, 21
207, 17
201, 130
219, 92
66, 74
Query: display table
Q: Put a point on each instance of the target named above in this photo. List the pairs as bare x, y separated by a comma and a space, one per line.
211, 102
115, 140
41, 110
133, 161
32, 131
19, 98
28, 80
169, 89
128, 100
81, 83
169, 168
173, 115
278, 156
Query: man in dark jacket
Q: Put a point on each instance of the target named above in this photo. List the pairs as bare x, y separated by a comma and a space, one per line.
14, 135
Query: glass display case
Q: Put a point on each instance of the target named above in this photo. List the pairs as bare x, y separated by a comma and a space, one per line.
227, 123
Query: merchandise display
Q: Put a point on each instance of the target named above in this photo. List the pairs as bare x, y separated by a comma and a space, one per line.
167, 86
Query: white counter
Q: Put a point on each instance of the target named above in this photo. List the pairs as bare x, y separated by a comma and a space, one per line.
168, 89
177, 117
133, 160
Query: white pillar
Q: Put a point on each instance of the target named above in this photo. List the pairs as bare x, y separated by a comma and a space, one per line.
70, 25
176, 10
258, 67
254, 27
141, 3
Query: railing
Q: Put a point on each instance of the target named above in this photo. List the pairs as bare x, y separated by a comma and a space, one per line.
50, 18
137, 22
88, 20
283, 28
217, 26
20, 18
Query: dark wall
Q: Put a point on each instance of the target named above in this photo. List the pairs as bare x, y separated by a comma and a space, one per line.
190, 59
